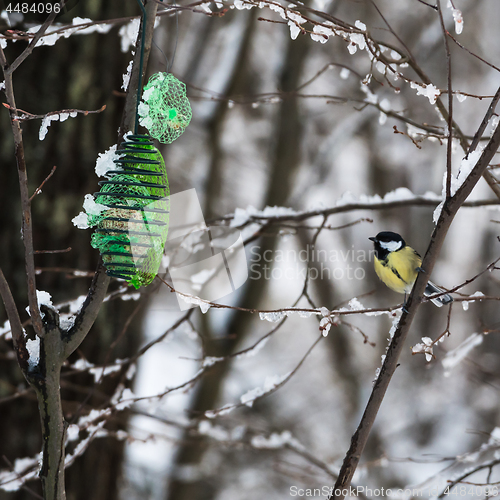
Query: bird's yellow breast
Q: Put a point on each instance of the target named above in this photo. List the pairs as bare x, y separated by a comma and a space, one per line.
399, 270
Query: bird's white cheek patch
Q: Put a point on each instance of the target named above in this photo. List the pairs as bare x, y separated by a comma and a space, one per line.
392, 246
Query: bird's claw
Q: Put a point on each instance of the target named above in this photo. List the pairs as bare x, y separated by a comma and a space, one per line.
405, 310
420, 270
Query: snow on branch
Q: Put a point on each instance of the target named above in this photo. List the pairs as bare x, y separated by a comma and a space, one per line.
348, 202
79, 26
275, 441
23, 470
50, 117
457, 17
271, 385
457, 355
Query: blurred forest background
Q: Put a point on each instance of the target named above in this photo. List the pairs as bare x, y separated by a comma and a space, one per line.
267, 130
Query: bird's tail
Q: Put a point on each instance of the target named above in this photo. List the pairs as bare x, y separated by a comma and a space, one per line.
432, 289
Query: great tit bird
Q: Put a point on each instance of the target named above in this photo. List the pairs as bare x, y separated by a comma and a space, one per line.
397, 265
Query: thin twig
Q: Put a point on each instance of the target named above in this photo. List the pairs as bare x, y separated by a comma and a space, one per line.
27, 226
39, 188
472, 53
65, 250
450, 103
275, 388
284, 310
382, 205
26, 115
478, 135
428, 4
71, 272
15, 324
469, 472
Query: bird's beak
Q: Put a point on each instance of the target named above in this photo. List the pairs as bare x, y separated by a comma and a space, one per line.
372, 238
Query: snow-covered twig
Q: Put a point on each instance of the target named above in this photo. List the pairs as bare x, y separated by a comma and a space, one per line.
271, 386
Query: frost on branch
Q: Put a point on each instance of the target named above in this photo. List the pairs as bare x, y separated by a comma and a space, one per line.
211, 360
385, 104
105, 161
465, 303
248, 399
92, 208
125, 400
294, 21
44, 127
324, 325
241, 5
457, 17
429, 91
425, 347
370, 98
44, 299
218, 433
357, 40
5, 331
392, 331
327, 321
221, 411
191, 299
275, 441
466, 166
126, 77
270, 384
128, 33
242, 216
275, 317
205, 7
23, 470
79, 26
321, 33
344, 73
398, 194
457, 355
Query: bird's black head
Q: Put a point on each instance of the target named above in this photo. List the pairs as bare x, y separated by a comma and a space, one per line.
387, 242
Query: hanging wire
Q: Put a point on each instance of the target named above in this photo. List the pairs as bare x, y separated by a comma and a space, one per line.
141, 64
171, 63
167, 111
141, 59
169, 68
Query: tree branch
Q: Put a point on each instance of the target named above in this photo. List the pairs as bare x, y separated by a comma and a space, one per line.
389, 366
417, 201
16, 326
46, 381
450, 103
27, 229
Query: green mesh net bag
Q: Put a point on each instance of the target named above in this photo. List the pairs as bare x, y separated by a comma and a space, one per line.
131, 230
165, 110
